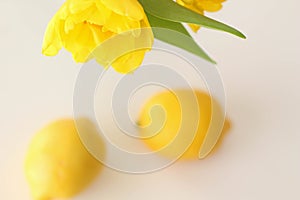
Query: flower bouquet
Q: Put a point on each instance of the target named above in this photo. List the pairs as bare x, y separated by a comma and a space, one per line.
80, 26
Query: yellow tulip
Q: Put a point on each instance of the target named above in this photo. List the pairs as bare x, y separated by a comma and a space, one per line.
80, 26
199, 6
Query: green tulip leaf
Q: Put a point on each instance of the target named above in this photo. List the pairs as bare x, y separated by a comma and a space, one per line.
159, 22
171, 11
175, 34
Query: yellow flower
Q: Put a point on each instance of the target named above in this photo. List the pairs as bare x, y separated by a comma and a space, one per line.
200, 6
82, 25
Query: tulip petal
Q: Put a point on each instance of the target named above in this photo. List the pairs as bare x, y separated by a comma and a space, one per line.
118, 23
52, 43
79, 42
208, 5
98, 15
128, 8
129, 62
76, 6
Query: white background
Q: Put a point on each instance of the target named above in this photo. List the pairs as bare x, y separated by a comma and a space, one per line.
258, 159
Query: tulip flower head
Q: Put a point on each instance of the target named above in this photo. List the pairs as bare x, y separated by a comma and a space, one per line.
80, 26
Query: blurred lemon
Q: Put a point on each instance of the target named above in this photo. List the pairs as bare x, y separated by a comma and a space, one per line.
175, 123
57, 165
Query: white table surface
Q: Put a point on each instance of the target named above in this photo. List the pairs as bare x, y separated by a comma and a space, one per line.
260, 157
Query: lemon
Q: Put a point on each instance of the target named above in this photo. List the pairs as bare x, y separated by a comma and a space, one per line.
57, 165
175, 123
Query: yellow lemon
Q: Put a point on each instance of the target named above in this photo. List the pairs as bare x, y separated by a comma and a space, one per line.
57, 165
175, 123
